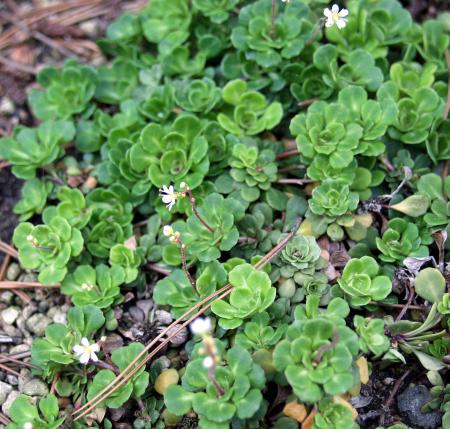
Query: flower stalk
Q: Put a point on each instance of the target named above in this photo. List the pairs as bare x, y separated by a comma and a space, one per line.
174, 237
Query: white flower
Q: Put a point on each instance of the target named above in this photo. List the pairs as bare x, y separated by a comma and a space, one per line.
168, 231
201, 326
86, 352
183, 185
208, 362
285, 1
28, 425
168, 196
334, 16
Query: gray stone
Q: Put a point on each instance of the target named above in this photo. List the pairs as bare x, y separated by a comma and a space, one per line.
35, 387
13, 271
6, 297
12, 380
410, 402
179, 338
19, 348
145, 305
163, 361
29, 310
136, 314
9, 400
10, 314
38, 323
5, 390
163, 317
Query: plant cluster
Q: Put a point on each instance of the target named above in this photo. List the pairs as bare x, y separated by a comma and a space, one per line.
282, 169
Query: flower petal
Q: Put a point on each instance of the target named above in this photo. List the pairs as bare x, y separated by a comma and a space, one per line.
335, 8
327, 12
84, 342
95, 348
78, 350
94, 357
341, 23
329, 23
84, 358
343, 13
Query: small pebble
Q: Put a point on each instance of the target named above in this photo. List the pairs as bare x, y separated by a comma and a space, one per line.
136, 314
5, 390
163, 317
6, 106
29, 310
6, 297
163, 361
145, 305
12, 380
9, 400
35, 387
180, 338
38, 323
13, 271
10, 315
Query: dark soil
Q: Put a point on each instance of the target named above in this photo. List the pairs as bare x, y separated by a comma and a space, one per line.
426, 9
9, 195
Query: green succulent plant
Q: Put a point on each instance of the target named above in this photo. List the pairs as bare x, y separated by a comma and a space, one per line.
199, 95
34, 198
258, 334
253, 170
54, 352
175, 154
266, 44
249, 112
159, 105
72, 207
252, 293
241, 379
32, 148
332, 415
388, 24
176, 291
361, 281
317, 357
220, 214
416, 112
324, 77
400, 240
217, 11
371, 335
135, 386
122, 256
437, 190
330, 210
67, 92
44, 415
48, 248
302, 253
99, 286
338, 131
444, 306
166, 24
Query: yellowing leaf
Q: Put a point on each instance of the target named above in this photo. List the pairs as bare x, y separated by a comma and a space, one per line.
415, 205
363, 370
340, 400
309, 421
306, 228
295, 410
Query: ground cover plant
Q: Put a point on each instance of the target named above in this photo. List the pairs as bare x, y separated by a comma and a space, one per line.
273, 176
